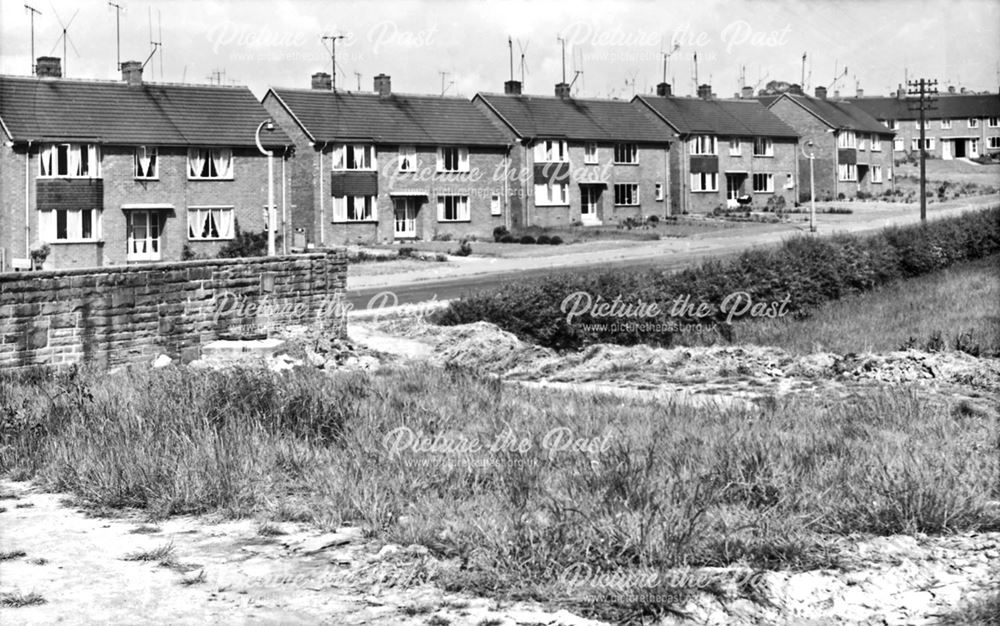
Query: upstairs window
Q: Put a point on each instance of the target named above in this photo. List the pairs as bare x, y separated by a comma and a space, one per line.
891, 124
146, 163
945, 124
590, 154
69, 160
407, 159
215, 163
847, 139
626, 153
551, 151
735, 147
353, 157
927, 124
973, 122
703, 145
453, 160
876, 143
762, 146
993, 122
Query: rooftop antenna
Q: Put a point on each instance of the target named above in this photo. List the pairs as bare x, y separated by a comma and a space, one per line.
524, 63
32, 11
118, 31
155, 44
444, 77
510, 50
803, 80
159, 30
576, 73
666, 58
695, 72
333, 57
65, 38
358, 76
837, 77
563, 42
630, 82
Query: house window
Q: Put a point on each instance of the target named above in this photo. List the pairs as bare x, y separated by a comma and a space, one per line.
453, 208
898, 145
863, 142
354, 209
704, 181
453, 160
762, 146
876, 173
590, 154
495, 206
946, 124
215, 163
891, 124
847, 172
626, 194
353, 157
993, 143
763, 183
69, 160
407, 159
553, 194
703, 145
210, 222
876, 143
551, 151
847, 139
659, 192
789, 181
146, 162
626, 153
928, 143
927, 124
67, 225
973, 122
993, 122
735, 147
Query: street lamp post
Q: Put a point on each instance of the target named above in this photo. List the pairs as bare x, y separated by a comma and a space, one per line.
271, 222
812, 185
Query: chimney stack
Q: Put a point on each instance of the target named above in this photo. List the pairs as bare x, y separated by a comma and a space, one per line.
512, 87
48, 67
861, 93
664, 90
962, 90
746, 92
951, 88
705, 92
900, 92
562, 90
132, 73
322, 80
383, 85
821, 93
795, 89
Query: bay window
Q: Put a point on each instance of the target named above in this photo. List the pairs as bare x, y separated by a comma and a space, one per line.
69, 225
210, 163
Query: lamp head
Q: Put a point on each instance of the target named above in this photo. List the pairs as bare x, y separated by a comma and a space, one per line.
269, 126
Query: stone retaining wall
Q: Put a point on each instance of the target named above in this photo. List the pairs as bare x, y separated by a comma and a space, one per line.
115, 315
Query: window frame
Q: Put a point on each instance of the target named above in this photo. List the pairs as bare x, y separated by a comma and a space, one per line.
230, 169
155, 162
461, 207
223, 209
462, 162
544, 149
973, 122
591, 153
768, 146
696, 145
847, 139
769, 182
92, 150
342, 206
713, 179
633, 194
945, 123
630, 150
48, 225
877, 175
407, 152
548, 196
339, 161
844, 175
738, 152
876, 143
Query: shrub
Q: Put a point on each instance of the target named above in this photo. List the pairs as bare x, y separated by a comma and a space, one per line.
556, 240
464, 248
246, 244
442, 237
500, 232
406, 251
527, 239
653, 219
543, 240
508, 239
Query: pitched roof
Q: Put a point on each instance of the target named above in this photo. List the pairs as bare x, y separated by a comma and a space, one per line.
577, 119
945, 107
113, 112
837, 114
740, 118
396, 118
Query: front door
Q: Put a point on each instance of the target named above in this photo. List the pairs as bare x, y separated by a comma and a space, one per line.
405, 214
734, 188
973, 148
946, 149
590, 199
144, 242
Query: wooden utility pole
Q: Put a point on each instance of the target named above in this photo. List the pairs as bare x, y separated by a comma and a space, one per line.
923, 93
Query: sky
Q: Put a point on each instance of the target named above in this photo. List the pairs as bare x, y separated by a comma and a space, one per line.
461, 48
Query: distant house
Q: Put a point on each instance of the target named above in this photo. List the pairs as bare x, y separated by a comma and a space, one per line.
727, 149
957, 126
383, 167
852, 149
583, 161
110, 172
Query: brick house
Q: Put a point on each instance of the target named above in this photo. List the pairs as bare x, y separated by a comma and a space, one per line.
726, 149
853, 151
958, 126
383, 167
586, 161
111, 173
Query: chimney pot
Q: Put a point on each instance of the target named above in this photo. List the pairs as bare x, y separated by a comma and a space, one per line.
322, 80
664, 90
861, 93
562, 90
746, 92
962, 90
50, 67
383, 85
705, 92
512, 87
821, 93
795, 89
132, 72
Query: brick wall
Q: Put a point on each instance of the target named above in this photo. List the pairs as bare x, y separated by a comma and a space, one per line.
811, 129
111, 316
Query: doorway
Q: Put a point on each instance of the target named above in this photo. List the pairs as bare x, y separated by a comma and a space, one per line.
144, 236
405, 218
590, 203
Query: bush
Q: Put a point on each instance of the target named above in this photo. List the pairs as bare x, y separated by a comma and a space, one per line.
556, 240
406, 251
246, 244
804, 271
499, 232
527, 239
543, 240
464, 248
508, 239
443, 237
653, 219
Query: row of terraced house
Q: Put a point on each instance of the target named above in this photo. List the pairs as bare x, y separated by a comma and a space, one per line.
118, 172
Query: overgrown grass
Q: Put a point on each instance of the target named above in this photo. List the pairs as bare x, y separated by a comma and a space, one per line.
961, 305
18, 600
662, 485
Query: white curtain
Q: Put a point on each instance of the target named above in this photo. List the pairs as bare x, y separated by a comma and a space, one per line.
340, 208
463, 208
440, 160
463, 159
73, 159
196, 161
223, 161
225, 223
144, 161
337, 157
45, 160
